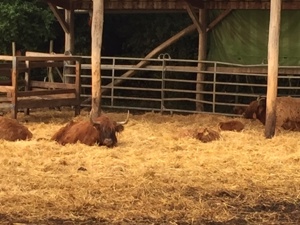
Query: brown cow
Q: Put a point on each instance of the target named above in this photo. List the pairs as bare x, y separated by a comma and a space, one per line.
100, 131
232, 125
12, 130
287, 108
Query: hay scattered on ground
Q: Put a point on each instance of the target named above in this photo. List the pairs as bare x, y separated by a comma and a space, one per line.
156, 175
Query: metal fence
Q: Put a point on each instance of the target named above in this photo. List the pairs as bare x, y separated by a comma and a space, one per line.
169, 85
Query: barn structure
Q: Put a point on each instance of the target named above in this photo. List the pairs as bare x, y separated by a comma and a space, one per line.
223, 45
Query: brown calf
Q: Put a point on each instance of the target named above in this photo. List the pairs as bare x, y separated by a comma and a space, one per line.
207, 135
232, 125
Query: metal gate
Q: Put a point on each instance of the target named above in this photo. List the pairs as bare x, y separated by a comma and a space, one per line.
169, 85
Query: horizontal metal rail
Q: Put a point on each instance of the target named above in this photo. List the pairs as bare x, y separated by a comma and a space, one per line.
169, 85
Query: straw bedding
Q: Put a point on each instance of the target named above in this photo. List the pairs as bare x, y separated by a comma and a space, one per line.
157, 174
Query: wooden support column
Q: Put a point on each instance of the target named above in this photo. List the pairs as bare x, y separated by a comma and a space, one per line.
201, 56
97, 30
69, 36
273, 54
77, 86
69, 41
14, 93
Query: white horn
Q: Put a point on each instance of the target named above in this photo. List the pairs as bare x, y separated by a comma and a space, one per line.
125, 121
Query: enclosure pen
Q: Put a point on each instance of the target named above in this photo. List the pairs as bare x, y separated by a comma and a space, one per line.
156, 175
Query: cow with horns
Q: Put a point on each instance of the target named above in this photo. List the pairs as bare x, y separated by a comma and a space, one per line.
101, 131
12, 130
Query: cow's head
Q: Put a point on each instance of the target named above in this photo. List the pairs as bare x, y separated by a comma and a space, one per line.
107, 129
256, 110
240, 110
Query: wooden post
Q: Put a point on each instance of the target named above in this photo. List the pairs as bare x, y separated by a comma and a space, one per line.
201, 56
273, 54
69, 37
97, 29
69, 40
77, 86
14, 93
13, 48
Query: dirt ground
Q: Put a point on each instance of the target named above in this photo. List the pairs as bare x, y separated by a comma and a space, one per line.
157, 174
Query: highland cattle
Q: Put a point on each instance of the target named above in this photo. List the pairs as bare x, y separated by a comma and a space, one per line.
100, 131
287, 109
12, 130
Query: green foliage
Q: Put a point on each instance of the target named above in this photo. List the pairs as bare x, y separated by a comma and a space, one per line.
27, 23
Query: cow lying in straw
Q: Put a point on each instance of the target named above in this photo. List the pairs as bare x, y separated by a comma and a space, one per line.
287, 109
101, 131
12, 130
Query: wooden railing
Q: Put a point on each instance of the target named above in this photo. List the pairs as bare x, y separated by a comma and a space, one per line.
35, 93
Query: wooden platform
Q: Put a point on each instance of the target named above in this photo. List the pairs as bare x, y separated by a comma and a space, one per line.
28, 93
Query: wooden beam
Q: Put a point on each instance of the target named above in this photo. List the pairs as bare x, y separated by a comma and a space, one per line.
59, 17
273, 55
66, 4
194, 18
172, 5
245, 4
256, 70
218, 19
69, 36
97, 30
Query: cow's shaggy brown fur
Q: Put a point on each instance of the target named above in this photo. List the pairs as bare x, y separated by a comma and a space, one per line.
291, 125
287, 108
102, 132
251, 109
232, 125
12, 130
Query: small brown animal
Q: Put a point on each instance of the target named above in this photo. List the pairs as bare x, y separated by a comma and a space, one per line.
232, 125
100, 131
12, 130
207, 135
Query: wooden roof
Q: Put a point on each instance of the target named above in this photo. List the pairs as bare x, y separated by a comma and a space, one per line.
173, 4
